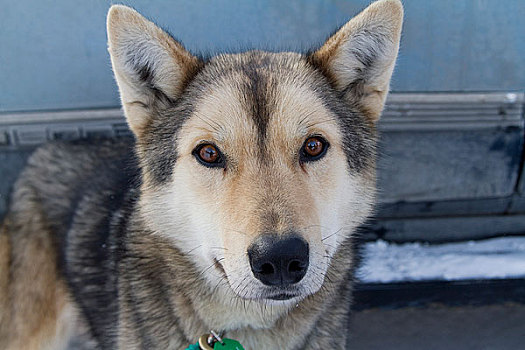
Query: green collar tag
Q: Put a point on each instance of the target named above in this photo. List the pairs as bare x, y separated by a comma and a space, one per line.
214, 342
228, 344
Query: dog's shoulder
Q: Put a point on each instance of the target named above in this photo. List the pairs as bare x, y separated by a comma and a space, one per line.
58, 172
84, 192
65, 162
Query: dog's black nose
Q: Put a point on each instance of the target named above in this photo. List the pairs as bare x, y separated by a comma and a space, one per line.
279, 261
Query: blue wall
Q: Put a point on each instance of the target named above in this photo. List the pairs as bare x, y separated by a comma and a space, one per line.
53, 52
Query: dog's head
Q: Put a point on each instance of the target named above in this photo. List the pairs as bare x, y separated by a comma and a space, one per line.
257, 165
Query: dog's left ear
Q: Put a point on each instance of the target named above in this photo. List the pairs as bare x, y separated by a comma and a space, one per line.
151, 68
359, 58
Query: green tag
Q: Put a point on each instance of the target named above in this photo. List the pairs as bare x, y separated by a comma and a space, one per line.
229, 344
194, 347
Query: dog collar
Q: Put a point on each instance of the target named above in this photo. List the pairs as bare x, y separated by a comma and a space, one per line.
213, 341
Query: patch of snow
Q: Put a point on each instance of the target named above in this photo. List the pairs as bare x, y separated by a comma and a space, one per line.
488, 259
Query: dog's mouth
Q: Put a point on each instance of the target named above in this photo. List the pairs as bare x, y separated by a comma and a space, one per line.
282, 296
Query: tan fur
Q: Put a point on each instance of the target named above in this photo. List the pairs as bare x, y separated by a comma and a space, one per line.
36, 304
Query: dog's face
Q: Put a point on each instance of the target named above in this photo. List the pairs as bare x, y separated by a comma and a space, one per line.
266, 179
257, 165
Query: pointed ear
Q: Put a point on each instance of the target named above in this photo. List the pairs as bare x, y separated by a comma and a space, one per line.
150, 67
359, 58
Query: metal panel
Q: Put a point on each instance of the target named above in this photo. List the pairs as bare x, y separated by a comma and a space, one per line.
431, 293
484, 206
517, 204
521, 187
54, 53
439, 147
518, 201
446, 165
447, 229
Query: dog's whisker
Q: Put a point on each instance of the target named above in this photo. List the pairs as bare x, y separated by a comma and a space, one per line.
219, 248
212, 265
321, 122
193, 249
333, 234
237, 231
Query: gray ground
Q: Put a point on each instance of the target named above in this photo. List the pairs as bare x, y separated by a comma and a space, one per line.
493, 327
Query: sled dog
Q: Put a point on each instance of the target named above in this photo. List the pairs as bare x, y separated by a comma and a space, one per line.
232, 209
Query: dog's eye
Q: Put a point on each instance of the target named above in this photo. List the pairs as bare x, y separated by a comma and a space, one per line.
314, 148
209, 155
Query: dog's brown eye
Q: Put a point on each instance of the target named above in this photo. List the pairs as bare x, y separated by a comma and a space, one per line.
314, 148
209, 155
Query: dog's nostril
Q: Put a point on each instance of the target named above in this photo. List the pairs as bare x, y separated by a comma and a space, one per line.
267, 269
295, 266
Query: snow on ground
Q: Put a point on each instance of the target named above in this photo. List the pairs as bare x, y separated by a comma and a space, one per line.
492, 258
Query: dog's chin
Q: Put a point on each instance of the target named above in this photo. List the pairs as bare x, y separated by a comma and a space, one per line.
280, 296
279, 299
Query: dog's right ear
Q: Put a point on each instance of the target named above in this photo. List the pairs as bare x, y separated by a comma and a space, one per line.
150, 67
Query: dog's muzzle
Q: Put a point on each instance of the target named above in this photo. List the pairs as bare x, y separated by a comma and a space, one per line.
279, 260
